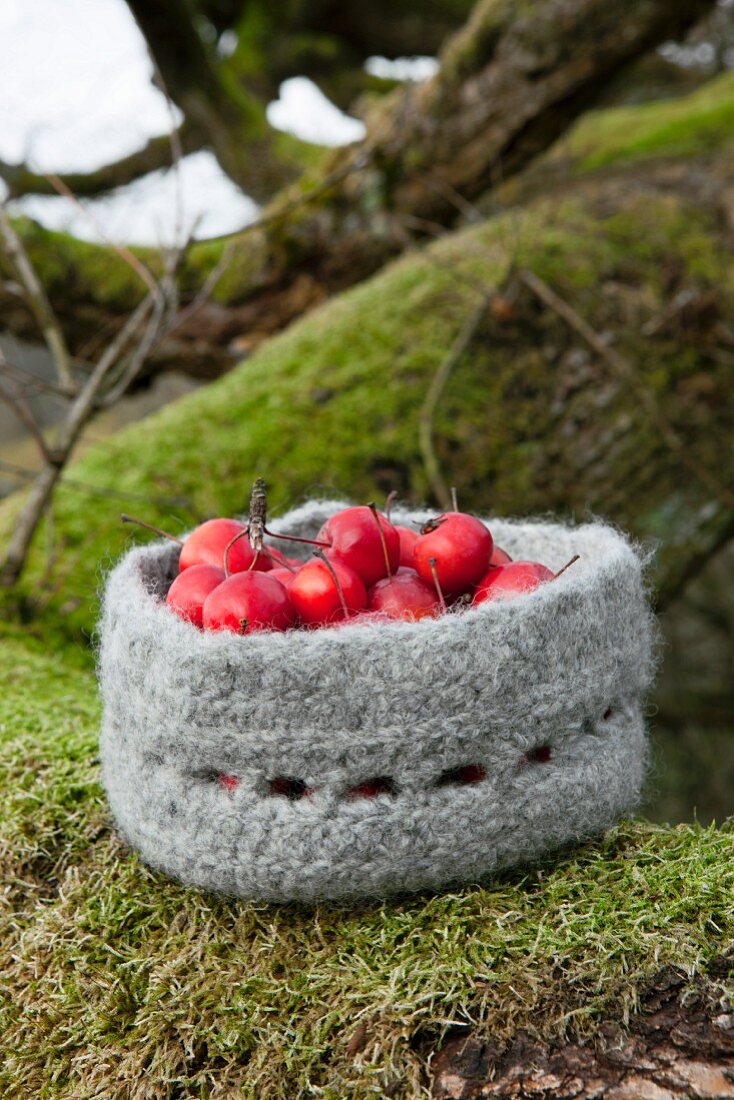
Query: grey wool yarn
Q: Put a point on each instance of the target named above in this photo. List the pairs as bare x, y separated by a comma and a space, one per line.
543, 692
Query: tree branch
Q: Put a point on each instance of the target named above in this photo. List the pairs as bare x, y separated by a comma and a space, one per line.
39, 303
133, 262
21, 180
232, 119
78, 415
15, 400
433, 396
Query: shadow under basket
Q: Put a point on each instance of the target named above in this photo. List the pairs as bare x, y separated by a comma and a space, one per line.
377, 758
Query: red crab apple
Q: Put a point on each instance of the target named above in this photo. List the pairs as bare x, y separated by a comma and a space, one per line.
283, 574
247, 602
207, 543
365, 540
503, 582
460, 545
190, 589
323, 592
499, 556
404, 596
408, 539
279, 559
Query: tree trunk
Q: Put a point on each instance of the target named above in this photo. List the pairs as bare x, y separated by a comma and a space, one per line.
233, 121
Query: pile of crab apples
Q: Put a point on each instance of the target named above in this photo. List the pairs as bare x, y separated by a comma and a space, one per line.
363, 569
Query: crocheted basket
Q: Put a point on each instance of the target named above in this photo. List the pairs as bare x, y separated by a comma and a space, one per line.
209, 738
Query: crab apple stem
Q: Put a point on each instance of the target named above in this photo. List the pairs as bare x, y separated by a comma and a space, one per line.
454, 499
389, 500
434, 574
240, 535
279, 559
149, 527
296, 538
319, 553
566, 566
432, 525
258, 514
373, 508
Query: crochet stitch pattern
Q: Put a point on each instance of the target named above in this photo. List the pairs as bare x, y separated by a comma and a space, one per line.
492, 736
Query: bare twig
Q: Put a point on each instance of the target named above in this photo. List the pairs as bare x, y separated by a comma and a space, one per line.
207, 289
32, 383
433, 396
125, 518
38, 301
442, 187
24, 473
114, 350
15, 400
139, 356
276, 213
122, 251
113, 374
163, 319
624, 370
568, 565
79, 413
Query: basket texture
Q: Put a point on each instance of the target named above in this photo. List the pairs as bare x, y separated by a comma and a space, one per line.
542, 693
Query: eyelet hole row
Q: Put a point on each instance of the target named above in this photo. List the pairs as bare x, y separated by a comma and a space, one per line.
467, 775
295, 789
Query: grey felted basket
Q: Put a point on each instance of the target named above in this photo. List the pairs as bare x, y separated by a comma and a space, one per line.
542, 692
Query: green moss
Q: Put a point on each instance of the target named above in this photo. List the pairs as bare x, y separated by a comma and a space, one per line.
113, 973
697, 124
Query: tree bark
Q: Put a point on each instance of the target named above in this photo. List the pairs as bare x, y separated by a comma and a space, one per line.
233, 120
680, 1045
